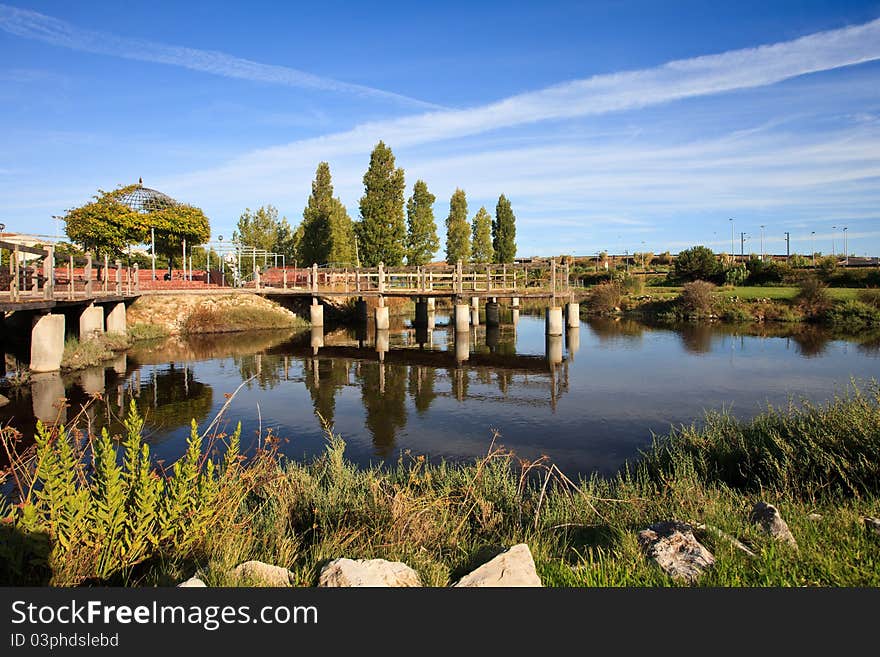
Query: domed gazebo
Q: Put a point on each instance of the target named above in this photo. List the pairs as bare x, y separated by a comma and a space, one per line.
143, 199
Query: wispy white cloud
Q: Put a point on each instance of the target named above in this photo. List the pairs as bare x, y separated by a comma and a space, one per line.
33, 25
601, 94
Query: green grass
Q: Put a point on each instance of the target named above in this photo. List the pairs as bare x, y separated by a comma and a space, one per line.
443, 519
92, 351
138, 332
752, 292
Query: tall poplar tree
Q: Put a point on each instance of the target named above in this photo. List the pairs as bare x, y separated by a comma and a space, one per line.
458, 230
382, 231
421, 229
481, 244
327, 231
504, 231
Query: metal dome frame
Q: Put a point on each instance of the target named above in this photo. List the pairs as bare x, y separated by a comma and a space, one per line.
144, 200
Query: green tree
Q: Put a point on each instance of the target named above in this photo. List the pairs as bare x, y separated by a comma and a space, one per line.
327, 230
262, 229
481, 244
107, 226
381, 231
421, 229
458, 230
696, 263
504, 231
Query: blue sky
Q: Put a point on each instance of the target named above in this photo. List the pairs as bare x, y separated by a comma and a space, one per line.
610, 125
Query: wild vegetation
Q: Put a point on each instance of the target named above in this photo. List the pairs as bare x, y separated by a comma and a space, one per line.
96, 509
94, 350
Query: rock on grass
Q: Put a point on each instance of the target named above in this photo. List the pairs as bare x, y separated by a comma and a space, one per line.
769, 519
257, 573
368, 572
513, 567
675, 549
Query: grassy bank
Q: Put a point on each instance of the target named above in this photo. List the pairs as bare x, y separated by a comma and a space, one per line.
179, 314
93, 350
812, 301
819, 465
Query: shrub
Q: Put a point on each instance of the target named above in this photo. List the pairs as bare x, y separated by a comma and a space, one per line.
853, 314
631, 284
696, 263
812, 297
764, 272
870, 297
736, 275
605, 297
697, 297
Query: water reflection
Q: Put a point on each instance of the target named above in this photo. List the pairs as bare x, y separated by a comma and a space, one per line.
589, 398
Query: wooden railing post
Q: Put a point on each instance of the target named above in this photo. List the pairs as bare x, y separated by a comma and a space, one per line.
119, 277
553, 277
381, 277
14, 269
49, 273
460, 276
567, 279
87, 273
488, 277
357, 279
137, 279
106, 272
257, 277
284, 278
314, 279
70, 279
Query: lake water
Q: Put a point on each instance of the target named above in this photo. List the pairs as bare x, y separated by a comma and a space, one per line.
589, 400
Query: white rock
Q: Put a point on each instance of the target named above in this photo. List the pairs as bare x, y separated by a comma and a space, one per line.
192, 582
261, 574
513, 567
872, 524
675, 549
769, 519
367, 572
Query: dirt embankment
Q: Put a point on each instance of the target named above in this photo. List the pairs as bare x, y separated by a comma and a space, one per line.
179, 314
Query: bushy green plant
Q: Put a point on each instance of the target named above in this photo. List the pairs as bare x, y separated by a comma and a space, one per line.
736, 275
853, 314
696, 263
697, 298
870, 297
605, 297
812, 296
107, 509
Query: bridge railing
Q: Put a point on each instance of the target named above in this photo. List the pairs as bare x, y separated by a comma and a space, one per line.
49, 282
460, 278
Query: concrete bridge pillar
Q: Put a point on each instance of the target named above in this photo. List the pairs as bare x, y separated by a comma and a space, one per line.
475, 303
432, 320
573, 315
360, 310
316, 313
553, 321
382, 319
493, 313
47, 343
514, 302
462, 318
91, 321
115, 319
421, 313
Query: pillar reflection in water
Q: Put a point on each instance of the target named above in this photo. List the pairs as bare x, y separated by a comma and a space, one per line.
317, 339
572, 341
514, 317
48, 397
493, 337
120, 364
462, 346
553, 349
383, 339
92, 380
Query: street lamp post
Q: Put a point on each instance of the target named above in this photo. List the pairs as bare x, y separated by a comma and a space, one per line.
845, 249
833, 247
153, 250
813, 246
742, 246
732, 256
222, 263
762, 242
